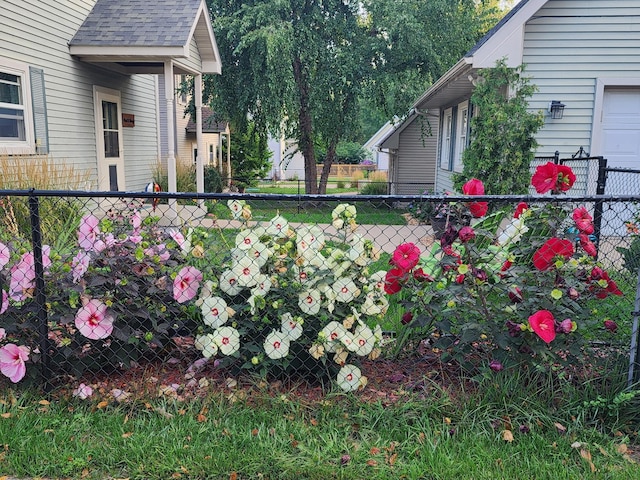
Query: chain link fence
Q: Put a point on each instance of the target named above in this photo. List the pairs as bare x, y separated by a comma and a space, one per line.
190, 288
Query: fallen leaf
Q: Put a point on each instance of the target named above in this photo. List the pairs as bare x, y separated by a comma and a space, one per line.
507, 436
201, 418
371, 463
102, 404
374, 451
587, 456
314, 422
561, 428
392, 459
44, 402
6, 415
233, 476
255, 432
622, 448
576, 445
127, 434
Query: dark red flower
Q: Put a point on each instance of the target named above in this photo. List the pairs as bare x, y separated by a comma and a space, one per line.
460, 279
393, 280
544, 257
406, 256
466, 233
515, 295
598, 279
421, 276
406, 318
521, 207
506, 265
584, 221
587, 245
610, 325
513, 328
544, 325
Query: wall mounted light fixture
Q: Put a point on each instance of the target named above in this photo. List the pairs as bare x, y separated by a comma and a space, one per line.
556, 109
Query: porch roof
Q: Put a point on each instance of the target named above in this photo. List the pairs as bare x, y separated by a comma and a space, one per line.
138, 36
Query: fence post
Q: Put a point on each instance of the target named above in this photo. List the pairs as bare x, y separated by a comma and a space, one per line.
634, 354
598, 207
40, 295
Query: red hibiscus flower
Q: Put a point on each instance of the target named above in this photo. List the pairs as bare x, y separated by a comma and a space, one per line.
551, 177
587, 245
566, 178
583, 220
521, 207
601, 284
544, 257
393, 280
421, 276
544, 325
476, 187
473, 187
406, 256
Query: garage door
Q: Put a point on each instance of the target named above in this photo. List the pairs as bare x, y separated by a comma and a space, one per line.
621, 148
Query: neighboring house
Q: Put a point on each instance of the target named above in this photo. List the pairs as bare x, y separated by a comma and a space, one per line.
79, 81
379, 157
287, 161
586, 55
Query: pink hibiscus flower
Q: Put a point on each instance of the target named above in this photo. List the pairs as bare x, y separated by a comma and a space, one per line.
5, 255
584, 221
88, 232
186, 284
4, 305
544, 325
406, 256
93, 321
12, 361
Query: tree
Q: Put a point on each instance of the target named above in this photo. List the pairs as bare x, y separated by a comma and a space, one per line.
249, 156
414, 42
293, 67
503, 132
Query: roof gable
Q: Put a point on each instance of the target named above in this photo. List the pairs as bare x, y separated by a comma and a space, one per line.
143, 31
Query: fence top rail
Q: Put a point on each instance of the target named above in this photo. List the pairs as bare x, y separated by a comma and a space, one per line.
317, 197
623, 170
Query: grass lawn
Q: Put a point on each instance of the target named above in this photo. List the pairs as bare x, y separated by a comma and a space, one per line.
504, 428
294, 211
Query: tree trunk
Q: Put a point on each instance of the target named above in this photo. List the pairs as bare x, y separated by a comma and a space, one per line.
305, 140
326, 168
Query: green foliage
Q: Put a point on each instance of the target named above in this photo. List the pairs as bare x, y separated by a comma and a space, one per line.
212, 180
503, 143
250, 156
631, 254
350, 153
374, 188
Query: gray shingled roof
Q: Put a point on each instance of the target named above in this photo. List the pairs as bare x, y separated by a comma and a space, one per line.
161, 23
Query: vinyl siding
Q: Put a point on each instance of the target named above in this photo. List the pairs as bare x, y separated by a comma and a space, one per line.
415, 170
194, 61
37, 32
568, 45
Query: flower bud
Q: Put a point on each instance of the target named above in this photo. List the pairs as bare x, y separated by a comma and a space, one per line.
566, 326
610, 325
496, 366
515, 294
573, 293
466, 233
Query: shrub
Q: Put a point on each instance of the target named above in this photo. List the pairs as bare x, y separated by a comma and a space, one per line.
377, 184
514, 296
355, 177
185, 176
212, 180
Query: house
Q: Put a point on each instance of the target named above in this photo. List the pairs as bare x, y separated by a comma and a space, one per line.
379, 157
287, 161
80, 82
583, 55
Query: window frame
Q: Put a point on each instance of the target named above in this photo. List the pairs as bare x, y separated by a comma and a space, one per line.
446, 137
461, 138
26, 146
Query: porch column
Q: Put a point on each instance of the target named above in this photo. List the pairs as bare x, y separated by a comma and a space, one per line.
169, 93
197, 80
229, 172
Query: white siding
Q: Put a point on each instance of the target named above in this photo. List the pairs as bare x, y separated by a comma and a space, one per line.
37, 32
194, 61
568, 45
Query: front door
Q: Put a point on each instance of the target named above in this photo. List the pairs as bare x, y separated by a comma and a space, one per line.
108, 108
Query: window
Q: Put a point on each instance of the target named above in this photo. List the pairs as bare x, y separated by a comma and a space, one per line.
461, 135
16, 120
445, 146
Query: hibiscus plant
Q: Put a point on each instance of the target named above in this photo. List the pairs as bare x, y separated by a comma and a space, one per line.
513, 294
280, 300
